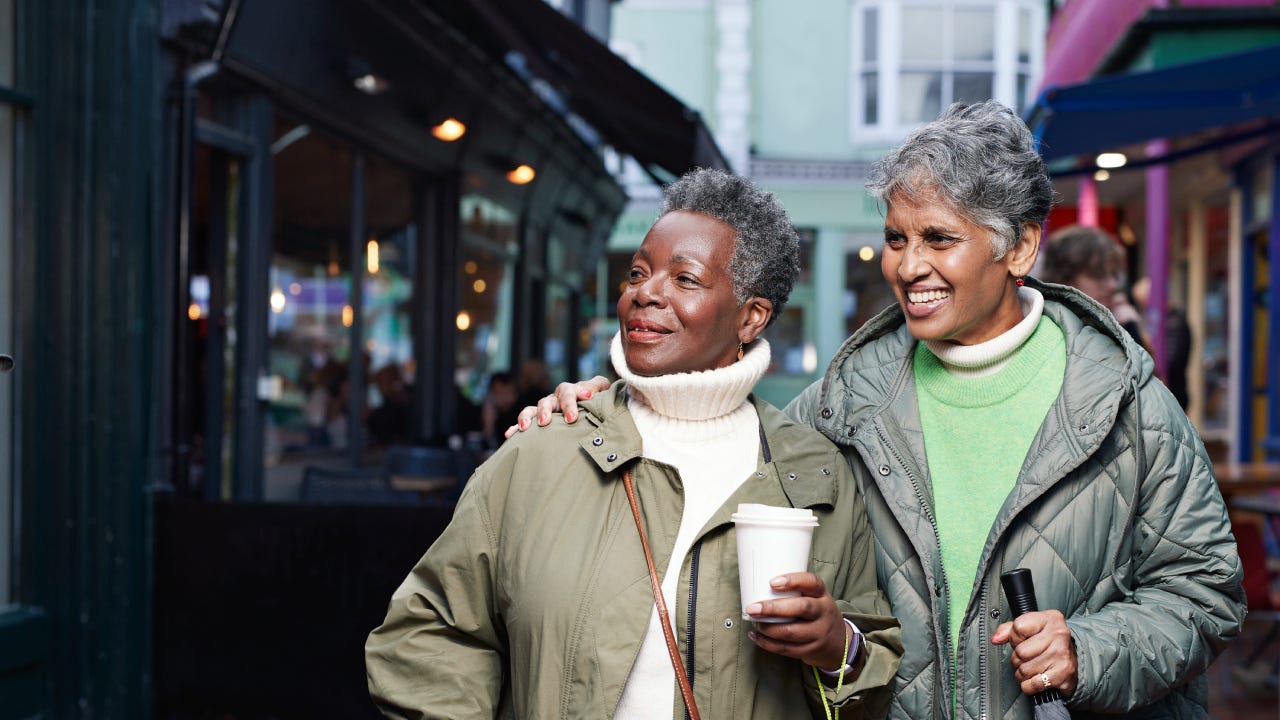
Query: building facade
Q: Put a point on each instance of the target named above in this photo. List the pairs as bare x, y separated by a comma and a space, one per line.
232, 234
802, 97
1185, 91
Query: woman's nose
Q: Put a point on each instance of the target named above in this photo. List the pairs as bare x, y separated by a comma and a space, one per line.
913, 264
649, 291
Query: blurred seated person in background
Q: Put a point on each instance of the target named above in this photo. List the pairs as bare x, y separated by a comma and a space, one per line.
392, 421
1091, 260
533, 603
325, 411
499, 410
1177, 343
534, 381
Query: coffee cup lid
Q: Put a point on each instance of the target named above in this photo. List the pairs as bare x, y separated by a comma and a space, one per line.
771, 514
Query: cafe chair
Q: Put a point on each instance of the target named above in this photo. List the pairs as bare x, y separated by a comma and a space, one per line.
1262, 592
434, 472
351, 486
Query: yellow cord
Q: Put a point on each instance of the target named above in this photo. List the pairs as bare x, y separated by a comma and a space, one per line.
833, 713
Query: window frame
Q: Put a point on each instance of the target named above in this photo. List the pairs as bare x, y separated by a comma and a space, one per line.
888, 64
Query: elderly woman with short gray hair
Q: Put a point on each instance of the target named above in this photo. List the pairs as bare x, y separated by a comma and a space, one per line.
993, 422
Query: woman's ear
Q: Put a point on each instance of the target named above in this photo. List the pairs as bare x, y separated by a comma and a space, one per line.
1021, 258
755, 314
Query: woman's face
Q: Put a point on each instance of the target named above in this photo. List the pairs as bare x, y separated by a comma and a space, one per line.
1102, 288
939, 264
678, 312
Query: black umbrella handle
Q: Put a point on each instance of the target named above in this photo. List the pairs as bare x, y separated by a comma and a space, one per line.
1021, 593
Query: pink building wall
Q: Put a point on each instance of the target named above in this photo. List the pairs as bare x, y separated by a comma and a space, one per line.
1082, 32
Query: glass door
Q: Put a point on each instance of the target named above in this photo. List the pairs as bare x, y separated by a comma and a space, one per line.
207, 379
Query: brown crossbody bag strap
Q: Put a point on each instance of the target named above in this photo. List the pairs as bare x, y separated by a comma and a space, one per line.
686, 690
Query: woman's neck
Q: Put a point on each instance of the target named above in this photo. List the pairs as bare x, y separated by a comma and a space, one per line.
987, 358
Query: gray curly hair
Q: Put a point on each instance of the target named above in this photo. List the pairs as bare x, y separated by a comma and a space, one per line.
766, 257
982, 159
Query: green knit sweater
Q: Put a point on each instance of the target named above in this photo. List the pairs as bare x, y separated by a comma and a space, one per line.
976, 435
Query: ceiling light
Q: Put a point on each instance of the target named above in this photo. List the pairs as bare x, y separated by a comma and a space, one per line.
449, 130
1102, 175
1111, 160
369, 83
521, 175
867, 253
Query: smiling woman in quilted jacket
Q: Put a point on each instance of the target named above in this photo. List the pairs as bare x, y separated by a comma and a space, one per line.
994, 422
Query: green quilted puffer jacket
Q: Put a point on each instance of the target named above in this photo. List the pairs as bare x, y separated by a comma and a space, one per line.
1116, 511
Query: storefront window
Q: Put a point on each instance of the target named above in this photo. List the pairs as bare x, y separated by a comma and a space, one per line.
866, 293
388, 299
7, 154
310, 315
790, 338
486, 288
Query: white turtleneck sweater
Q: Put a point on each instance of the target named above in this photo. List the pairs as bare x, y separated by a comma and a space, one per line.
987, 358
701, 424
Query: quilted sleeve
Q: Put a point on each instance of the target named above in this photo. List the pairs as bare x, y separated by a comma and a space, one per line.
1184, 598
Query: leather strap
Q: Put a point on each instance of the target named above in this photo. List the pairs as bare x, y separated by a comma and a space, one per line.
686, 690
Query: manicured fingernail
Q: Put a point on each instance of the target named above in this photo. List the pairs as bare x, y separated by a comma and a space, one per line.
570, 417
586, 395
524, 423
754, 609
544, 419
778, 582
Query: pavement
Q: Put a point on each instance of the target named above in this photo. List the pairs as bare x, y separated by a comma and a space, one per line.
1242, 683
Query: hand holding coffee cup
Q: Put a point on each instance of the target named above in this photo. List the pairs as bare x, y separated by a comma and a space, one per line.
772, 541
795, 616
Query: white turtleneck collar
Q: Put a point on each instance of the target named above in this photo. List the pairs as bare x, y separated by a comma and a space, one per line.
699, 395
987, 358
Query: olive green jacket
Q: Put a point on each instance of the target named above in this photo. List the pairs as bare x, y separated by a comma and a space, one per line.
534, 601
1115, 512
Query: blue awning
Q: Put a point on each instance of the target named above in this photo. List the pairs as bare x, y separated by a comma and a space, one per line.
1174, 101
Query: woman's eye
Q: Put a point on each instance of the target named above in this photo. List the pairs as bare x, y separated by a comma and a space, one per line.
687, 279
635, 275
895, 242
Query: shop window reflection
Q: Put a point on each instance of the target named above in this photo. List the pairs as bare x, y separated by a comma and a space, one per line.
387, 302
485, 289
309, 311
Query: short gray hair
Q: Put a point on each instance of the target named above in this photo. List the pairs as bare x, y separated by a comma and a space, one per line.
766, 256
982, 159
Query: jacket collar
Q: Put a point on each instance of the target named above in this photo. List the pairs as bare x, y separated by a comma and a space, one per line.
803, 466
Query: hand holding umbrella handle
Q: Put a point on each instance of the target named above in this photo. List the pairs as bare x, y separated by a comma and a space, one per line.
1021, 593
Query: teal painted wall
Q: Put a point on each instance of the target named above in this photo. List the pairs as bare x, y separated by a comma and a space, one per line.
800, 69
676, 49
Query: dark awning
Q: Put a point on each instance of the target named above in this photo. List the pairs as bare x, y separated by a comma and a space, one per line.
1170, 102
630, 111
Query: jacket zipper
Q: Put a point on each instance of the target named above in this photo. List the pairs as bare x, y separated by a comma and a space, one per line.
949, 682
691, 617
982, 656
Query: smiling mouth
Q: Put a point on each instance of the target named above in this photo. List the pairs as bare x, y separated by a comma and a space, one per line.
646, 330
927, 297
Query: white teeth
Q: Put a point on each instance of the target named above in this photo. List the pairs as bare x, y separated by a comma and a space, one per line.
927, 296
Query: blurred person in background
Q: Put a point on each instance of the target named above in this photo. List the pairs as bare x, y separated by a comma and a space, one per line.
500, 408
1177, 342
994, 422
534, 601
1092, 261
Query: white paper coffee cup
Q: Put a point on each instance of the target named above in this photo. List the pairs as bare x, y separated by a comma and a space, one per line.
772, 541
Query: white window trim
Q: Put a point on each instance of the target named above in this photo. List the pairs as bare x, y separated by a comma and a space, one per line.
888, 62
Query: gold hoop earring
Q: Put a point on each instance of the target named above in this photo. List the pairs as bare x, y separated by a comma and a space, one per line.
739, 351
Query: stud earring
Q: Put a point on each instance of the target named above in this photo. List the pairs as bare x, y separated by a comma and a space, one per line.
739, 351
1019, 281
